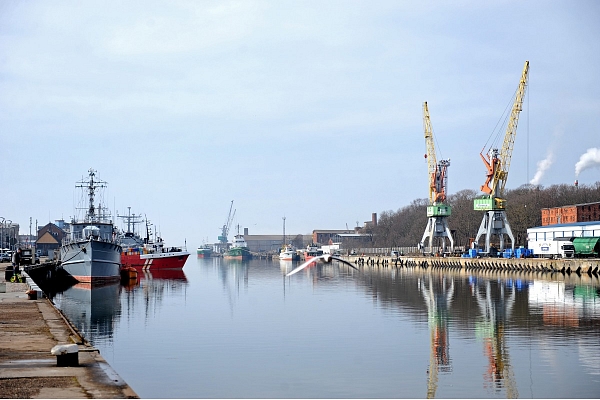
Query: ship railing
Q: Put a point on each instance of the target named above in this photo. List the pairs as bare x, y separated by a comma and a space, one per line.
77, 237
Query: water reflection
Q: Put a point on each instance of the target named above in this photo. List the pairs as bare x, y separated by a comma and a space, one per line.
569, 306
95, 311
92, 310
339, 333
438, 298
495, 307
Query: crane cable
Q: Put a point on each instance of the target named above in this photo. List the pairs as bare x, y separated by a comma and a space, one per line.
502, 122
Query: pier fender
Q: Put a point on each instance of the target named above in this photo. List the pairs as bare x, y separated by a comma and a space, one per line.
67, 355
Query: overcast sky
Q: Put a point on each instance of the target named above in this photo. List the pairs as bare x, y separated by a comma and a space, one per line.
310, 110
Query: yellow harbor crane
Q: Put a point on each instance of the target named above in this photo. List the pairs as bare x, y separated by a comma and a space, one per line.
497, 164
437, 210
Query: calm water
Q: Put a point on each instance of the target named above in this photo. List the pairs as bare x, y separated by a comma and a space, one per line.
226, 329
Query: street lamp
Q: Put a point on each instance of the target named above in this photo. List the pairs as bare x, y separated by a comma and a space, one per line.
9, 226
2, 233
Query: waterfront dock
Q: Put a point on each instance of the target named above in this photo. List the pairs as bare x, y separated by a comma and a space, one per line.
589, 266
30, 326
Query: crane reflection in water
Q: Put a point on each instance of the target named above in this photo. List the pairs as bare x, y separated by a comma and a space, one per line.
438, 298
495, 306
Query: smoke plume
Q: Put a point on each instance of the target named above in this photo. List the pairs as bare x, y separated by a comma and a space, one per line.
590, 159
542, 166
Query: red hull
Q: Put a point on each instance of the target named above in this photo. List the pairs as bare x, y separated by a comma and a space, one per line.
155, 261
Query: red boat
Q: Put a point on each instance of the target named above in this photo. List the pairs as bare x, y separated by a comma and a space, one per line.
146, 253
312, 250
154, 256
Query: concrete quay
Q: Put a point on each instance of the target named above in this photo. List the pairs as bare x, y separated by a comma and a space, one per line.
563, 265
29, 329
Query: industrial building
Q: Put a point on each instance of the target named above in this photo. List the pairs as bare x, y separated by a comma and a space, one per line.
562, 240
570, 214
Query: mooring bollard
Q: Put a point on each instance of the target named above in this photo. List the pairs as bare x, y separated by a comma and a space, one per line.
67, 355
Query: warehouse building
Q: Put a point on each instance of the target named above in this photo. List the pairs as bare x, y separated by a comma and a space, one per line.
561, 240
569, 214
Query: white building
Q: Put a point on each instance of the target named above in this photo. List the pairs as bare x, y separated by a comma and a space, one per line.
553, 240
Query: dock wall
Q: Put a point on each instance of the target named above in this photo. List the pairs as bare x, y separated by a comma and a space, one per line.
578, 266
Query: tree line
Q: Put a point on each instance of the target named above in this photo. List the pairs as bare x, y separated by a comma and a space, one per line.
405, 226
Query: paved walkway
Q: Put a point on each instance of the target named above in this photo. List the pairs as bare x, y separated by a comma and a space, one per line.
28, 331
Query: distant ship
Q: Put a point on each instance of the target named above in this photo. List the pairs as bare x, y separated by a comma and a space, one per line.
90, 253
312, 250
288, 253
148, 253
238, 250
204, 251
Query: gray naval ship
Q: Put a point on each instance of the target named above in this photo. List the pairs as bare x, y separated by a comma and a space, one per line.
90, 253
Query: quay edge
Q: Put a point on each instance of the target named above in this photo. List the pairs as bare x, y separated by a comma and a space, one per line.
27, 368
578, 265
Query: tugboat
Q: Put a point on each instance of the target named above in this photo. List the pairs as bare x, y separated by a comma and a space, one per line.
147, 253
239, 249
90, 253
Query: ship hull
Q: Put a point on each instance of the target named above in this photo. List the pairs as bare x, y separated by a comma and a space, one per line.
92, 261
311, 255
289, 256
238, 253
204, 253
154, 261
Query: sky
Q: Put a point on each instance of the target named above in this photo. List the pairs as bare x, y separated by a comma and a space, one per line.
308, 110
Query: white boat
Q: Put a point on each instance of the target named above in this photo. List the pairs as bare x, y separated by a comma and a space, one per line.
288, 253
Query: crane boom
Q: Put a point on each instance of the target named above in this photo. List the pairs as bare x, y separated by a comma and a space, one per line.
498, 163
437, 171
437, 210
430, 155
511, 130
225, 230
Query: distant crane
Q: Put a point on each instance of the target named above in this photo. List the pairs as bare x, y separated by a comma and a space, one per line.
437, 210
497, 164
225, 230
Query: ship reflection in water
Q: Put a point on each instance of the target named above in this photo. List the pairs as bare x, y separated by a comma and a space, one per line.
96, 310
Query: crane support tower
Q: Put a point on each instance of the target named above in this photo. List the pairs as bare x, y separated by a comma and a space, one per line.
437, 210
497, 164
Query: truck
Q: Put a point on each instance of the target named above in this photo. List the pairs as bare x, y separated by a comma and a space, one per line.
28, 257
560, 247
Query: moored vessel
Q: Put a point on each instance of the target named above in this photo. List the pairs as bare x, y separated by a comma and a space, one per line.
288, 253
149, 253
90, 253
204, 251
238, 250
312, 250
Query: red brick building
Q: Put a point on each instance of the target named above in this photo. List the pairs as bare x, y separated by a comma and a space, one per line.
569, 214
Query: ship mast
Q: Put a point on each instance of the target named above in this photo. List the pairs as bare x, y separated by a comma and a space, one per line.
131, 220
91, 185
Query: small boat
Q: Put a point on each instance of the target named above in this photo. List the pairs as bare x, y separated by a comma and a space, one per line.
288, 253
312, 250
238, 250
90, 253
128, 272
204, 251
